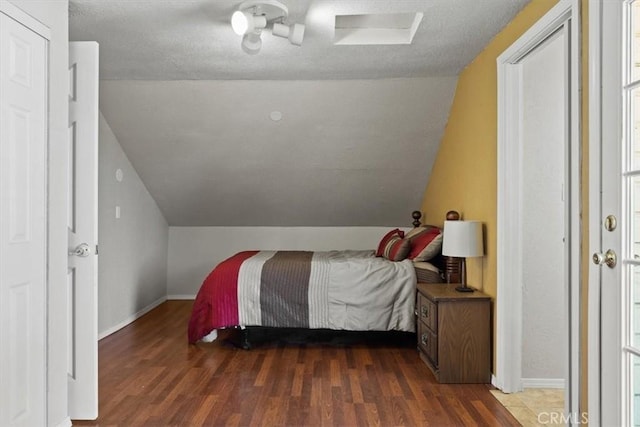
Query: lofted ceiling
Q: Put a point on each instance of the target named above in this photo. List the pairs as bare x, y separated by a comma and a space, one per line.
358, 128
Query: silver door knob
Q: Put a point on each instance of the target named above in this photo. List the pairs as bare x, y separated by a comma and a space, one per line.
609, 258
82, 250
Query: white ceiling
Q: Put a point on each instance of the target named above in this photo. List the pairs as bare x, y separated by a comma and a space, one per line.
361, 124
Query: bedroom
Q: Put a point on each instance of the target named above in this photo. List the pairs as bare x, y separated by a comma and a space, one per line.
114, 311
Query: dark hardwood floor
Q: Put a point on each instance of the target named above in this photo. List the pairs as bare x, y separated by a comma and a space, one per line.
150, 375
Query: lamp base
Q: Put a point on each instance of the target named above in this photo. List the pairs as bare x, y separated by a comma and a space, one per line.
464, 288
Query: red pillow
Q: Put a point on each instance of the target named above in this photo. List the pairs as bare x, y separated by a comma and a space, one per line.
386, 238
396, 248
426, 245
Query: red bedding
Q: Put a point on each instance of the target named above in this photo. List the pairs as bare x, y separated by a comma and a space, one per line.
216, 306
341, 290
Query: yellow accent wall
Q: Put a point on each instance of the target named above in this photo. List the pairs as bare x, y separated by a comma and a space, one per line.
464, 176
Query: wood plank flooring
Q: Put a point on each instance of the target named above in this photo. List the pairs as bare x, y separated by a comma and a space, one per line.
151, 376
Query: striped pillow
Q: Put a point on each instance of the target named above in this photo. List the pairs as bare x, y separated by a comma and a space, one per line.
425, 244
386, 238
396, 249
416, 231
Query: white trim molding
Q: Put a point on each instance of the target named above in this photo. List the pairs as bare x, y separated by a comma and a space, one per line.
181, 297
595, 213
509, 310
543, 383
24, 18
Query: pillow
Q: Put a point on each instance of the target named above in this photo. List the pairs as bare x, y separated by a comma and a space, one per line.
416, 231
386, 238
425, 244
396, 248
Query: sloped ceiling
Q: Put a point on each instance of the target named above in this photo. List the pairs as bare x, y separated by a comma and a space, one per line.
360, 125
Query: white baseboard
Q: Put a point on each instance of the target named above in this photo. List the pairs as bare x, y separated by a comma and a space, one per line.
65, 423
131, 319
535, 382
181, 297
543, 383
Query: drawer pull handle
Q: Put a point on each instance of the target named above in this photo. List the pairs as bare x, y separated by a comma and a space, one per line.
425, 311
424, 339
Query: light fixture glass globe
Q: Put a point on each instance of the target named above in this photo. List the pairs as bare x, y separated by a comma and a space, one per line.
240, 22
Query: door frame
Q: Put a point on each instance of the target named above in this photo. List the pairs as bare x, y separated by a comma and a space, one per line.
605, 75
37, 27
509, 311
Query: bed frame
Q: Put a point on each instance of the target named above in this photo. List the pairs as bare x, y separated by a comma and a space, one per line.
449, 266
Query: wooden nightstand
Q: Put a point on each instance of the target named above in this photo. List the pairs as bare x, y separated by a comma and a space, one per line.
454, 333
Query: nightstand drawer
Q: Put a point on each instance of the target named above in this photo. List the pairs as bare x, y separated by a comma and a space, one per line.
454, 333
427, 312
428, 342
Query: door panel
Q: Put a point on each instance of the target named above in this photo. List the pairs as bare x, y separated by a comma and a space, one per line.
82, 276
23, 153
620, 197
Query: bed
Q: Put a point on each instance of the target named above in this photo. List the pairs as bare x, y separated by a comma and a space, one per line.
344, 290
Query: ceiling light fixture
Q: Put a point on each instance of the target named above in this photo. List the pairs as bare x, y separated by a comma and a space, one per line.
254, 16
252, 43
295, 32
244, 22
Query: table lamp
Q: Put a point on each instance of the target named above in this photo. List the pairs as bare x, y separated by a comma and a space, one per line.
462, 239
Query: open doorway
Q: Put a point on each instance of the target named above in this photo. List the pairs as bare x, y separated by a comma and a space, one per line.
538, 216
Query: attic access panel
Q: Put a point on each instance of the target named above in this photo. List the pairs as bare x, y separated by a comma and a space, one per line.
376, 29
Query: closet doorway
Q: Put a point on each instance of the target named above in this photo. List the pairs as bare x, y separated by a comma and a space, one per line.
537, 326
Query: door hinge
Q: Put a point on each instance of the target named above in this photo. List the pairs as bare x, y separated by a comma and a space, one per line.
96, 249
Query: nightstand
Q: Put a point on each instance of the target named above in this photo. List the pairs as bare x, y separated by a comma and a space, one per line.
454, 333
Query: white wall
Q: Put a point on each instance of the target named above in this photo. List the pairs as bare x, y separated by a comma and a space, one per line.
194, 251
544, 307
346, 152
54, 14
132, 263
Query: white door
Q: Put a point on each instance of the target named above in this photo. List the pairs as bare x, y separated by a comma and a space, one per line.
618, 147
23, 244
83, 231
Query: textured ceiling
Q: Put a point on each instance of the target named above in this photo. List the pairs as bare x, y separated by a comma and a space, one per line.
360, 127
193, 40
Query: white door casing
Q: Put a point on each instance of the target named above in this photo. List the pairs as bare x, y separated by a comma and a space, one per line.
23, 217
82, 278
509, 240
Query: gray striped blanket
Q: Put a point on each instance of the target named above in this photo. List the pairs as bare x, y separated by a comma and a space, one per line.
348, 290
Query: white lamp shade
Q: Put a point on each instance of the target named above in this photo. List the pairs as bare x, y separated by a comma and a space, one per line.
462, 239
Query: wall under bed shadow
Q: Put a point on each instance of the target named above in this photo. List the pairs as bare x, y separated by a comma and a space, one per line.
194, 251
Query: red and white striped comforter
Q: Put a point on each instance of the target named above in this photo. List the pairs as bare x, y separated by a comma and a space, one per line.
348, 290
